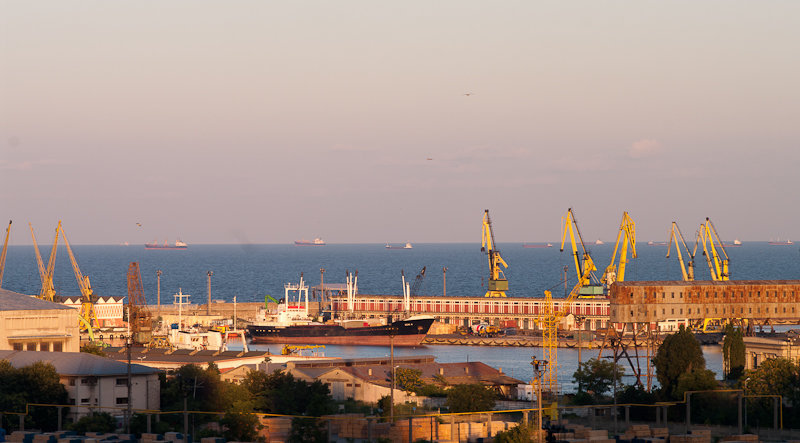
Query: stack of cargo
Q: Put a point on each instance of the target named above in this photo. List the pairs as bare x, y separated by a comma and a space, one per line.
351, 426
749, 438
660, 433
689, 438
636, 431
275, 429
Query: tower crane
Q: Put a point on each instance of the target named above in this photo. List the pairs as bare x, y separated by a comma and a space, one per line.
418, 282
687, 269
139, 317
625, 237
717, 264
48, 291
3, 253
87, 319
585, 270
498, 285
552, 316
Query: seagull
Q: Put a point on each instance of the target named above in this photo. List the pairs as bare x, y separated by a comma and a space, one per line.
468, 94
429, 158
139, 225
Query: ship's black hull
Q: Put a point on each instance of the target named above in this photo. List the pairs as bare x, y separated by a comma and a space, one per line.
404, 333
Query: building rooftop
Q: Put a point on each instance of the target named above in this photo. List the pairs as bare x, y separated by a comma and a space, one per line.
181, 355
79, 364
14, 301
708, 283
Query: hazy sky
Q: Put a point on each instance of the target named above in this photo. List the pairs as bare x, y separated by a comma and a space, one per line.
266, 121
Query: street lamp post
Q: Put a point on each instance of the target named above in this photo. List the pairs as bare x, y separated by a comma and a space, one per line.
392, 331
539, 367
444, 281
158, 290
208, 307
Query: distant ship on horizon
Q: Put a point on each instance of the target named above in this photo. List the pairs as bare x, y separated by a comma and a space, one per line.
780, 242
155, 245
537, 245
316, 242
406, 246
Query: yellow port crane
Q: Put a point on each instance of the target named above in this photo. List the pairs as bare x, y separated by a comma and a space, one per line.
717, 264
625, 237
497, 280
294, 349
3, 253
86, 319
48, 291
585, 270
552, 316
687, 269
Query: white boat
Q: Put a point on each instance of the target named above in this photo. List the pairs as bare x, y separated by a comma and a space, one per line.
599, 242
737, 242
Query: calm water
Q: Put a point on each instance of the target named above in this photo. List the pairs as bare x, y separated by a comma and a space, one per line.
251, 271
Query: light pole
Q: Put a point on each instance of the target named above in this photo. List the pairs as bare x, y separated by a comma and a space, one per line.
444, 281
579, 321
392, 331
158, 290
744, 398
208, 307
539, 367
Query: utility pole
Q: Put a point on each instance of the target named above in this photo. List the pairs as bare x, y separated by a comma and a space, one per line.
128, 344
539, 367
444, 281
158, 289
392, 332
208, 307
321, 288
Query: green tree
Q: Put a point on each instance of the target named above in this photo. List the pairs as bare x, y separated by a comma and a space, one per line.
239, 423
408, 379
521, 433
679, 354
35, 383
281, 393
92, 348
733, 352
597, 376
696, 380
470, 398
777, 376
94, 422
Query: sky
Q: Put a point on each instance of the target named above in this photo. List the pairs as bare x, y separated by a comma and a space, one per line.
372, 122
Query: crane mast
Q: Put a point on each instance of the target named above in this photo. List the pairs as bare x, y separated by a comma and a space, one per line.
717, 264
497, 280
585, 270
48, 291
626, 236
87, 318
3, 253
687, 269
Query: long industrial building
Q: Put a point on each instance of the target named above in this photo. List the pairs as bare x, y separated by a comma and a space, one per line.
665, 304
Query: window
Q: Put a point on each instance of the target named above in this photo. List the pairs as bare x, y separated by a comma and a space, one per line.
30, 346
17, 346
85, 400
122, 400
72, 381
122, 382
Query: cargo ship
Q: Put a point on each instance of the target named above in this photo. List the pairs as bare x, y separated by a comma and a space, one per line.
177, 245
291, 323
537, 245
408, 332
316, 242
406, 246
781, 243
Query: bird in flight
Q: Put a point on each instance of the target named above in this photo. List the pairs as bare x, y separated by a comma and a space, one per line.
468, 94
139, 225
429, 158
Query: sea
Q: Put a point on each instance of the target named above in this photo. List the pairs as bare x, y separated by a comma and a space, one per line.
252, 271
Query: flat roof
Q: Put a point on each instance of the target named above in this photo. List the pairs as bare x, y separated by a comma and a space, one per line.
75, 363
14, 301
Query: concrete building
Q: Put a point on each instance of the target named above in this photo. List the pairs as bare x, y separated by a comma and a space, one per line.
760, 349
27, 323
107, 310
96, 383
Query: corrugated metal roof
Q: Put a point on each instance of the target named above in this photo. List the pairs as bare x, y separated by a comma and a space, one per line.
13, 301
75, 363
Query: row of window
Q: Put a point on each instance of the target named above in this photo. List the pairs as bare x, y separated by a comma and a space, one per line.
55, 346
698, 311
710, 295
473, 307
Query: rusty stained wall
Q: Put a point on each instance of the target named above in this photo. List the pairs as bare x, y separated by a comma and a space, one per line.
654, 301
